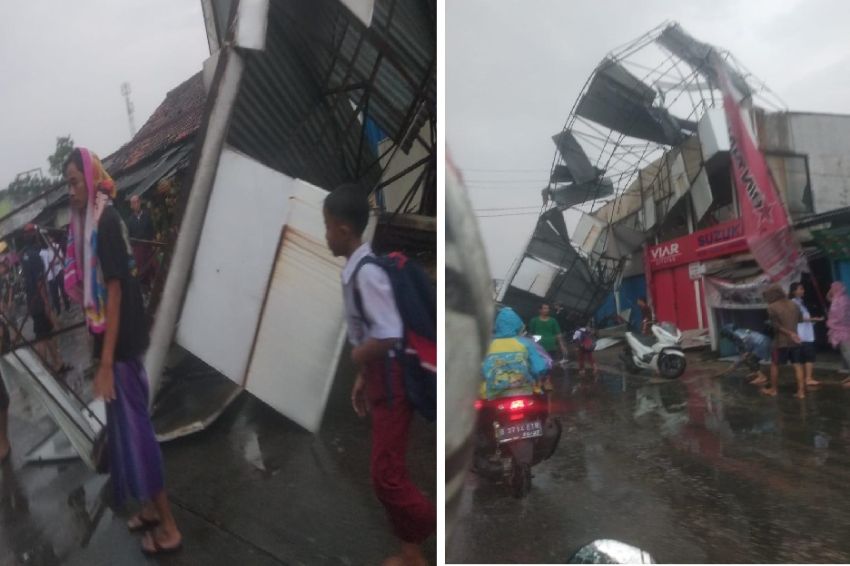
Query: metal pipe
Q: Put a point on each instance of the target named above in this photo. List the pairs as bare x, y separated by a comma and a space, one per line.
225, 92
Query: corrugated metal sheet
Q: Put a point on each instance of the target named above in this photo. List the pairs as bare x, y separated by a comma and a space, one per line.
296, 109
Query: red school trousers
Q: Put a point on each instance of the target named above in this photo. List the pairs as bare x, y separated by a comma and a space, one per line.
413, 516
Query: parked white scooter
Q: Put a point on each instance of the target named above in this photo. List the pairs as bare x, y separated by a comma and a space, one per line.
663, 355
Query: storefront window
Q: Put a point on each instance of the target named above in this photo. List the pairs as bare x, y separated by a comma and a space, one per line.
723, 206
791, 175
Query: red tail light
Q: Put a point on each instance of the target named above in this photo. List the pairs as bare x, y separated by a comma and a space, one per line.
517, 416
516, 405
478, 404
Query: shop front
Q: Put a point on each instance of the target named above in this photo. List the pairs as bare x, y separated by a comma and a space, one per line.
675, 269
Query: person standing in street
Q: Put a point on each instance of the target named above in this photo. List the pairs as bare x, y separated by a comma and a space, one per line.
560, 315
38, 304
551, 337
784, 317
101, 275
838, 323
55, 276
646, 316
806, 332
585, 345
140, 227
374, 331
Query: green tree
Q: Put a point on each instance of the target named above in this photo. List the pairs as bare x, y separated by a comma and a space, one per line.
64, 145
27, 186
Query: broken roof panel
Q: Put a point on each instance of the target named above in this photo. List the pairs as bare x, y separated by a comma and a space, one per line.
577, 166
572, 194
618, 100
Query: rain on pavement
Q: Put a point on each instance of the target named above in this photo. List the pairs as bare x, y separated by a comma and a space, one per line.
699, 470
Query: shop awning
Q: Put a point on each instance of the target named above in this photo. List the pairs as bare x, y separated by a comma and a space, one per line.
835, 242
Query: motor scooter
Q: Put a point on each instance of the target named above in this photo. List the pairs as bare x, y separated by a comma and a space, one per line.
514, 434
663, 354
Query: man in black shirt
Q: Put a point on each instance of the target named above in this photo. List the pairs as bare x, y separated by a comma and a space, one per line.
140, 227
43, 319
114, 252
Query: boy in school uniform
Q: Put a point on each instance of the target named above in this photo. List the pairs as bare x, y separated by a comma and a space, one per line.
379, 387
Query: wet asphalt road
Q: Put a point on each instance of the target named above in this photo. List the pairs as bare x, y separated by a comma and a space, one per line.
253, 488
702, 470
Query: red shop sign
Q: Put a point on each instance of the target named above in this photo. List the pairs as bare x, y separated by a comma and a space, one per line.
717, 241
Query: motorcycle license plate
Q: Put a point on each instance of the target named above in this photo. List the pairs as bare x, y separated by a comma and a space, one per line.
519, 431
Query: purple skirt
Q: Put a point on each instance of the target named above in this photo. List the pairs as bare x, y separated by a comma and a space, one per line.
134, 457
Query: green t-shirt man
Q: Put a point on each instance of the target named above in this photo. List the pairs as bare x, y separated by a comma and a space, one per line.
549, 330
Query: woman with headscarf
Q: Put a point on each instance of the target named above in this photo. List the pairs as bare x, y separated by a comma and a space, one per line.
100, 274
838, 322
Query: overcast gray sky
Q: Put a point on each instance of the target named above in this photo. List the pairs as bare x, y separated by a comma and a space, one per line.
62, 65
515, 67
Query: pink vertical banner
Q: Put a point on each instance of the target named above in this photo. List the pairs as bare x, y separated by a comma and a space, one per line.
768, 233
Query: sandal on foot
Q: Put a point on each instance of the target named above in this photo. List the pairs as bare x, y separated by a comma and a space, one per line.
158, 548
138, 523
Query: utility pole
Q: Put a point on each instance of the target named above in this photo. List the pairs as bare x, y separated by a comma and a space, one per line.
125, 90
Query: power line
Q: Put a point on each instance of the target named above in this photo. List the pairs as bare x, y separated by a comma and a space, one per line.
540, 170
529, 213
503, 181
512, 208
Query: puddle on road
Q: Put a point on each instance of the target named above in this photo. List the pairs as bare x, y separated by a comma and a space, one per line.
697, 469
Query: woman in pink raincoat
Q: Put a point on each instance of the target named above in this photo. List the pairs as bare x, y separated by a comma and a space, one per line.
838, 322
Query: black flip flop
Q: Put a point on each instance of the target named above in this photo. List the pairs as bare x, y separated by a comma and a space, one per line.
144, 524
159, 549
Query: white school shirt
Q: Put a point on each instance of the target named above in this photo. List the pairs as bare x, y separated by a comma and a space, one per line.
805, 330
47, 256
379, 305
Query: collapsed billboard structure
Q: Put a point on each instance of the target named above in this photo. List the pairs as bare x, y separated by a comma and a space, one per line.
628, 154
